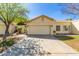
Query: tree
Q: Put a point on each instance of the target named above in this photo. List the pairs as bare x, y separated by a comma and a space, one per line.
23, 22
10, 12
70, 8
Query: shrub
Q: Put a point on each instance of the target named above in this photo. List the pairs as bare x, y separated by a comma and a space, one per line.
7, 43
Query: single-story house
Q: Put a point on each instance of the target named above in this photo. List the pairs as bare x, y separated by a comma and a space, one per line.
44, 25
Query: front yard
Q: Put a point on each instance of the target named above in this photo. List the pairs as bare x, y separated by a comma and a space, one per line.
71, 40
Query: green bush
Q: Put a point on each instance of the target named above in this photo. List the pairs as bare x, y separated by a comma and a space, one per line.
7, 43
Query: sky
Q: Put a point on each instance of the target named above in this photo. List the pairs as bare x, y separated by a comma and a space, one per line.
52, 10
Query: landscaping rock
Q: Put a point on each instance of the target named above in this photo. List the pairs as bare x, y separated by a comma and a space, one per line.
26, 46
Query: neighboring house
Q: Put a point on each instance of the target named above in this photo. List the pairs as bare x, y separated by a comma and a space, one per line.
2, 28
44, 25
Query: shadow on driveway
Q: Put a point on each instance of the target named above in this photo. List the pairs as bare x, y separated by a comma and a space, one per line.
42, 36
60, 37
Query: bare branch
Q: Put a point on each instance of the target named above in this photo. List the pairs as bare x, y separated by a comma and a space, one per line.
71, 9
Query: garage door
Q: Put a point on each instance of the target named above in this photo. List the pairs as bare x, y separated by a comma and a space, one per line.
44, 30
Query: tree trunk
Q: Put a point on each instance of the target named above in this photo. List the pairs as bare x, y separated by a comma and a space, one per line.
6, 32
26, 29
5, 36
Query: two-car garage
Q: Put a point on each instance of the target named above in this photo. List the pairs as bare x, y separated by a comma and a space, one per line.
41, 25
38, 30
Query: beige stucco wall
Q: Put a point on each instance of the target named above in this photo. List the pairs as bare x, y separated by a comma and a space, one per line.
2, 29
61, 26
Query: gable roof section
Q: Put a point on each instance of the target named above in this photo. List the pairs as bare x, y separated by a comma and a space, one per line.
42, 16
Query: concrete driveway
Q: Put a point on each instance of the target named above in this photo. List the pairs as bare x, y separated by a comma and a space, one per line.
53, 45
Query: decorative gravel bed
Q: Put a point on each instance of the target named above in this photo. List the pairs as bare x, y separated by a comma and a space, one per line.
26, 46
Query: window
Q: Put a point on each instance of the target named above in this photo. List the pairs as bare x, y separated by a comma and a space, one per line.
57, 28
65, 28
